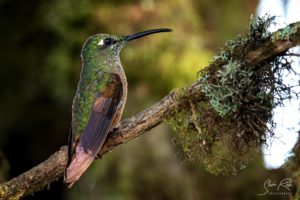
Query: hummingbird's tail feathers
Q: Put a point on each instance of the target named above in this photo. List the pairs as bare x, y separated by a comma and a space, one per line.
78, 165
70, 145
70, 149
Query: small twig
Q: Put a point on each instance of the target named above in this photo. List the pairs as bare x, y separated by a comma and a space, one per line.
293, 54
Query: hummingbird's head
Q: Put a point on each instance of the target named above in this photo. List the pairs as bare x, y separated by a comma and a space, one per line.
105, 46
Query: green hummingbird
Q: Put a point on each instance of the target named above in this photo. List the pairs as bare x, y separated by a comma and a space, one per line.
99, 101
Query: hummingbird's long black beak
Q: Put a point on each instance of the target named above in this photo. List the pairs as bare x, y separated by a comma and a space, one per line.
144, 33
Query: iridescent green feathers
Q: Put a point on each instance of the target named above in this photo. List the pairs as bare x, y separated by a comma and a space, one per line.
88, 88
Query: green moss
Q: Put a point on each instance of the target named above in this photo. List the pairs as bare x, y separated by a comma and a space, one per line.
202, 135
224, 130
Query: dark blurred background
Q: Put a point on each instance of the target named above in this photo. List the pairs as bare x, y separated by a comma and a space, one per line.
40, 64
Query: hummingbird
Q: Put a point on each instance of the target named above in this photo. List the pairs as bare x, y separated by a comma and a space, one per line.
99, 101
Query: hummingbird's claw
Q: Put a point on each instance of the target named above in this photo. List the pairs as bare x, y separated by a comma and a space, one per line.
116, 131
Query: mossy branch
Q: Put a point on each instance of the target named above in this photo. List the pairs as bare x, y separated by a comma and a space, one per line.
52, 169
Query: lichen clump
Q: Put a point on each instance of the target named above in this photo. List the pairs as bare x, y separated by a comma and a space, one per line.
234, 120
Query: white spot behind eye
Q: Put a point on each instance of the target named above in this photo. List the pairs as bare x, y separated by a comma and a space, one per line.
101, 42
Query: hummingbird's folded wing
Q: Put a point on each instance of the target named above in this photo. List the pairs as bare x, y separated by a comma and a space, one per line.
104, 109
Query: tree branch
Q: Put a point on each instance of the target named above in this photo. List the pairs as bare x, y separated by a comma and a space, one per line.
52, 169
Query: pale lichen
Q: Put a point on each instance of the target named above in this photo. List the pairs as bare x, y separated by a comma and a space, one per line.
224, 130
286, 33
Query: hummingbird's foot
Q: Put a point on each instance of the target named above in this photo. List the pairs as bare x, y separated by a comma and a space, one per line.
115, 131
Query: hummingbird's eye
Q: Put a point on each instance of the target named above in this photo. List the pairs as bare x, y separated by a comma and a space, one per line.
106, 42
